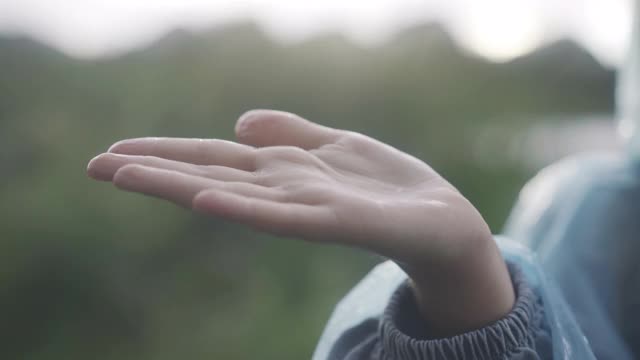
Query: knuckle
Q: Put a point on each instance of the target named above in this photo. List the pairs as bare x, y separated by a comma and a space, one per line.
126, 173
130, 170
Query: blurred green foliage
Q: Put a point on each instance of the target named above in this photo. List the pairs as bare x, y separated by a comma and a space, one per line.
91, 273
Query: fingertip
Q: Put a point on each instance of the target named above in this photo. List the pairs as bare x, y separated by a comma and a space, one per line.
245, 120
118, 147
95, 169
91, 169
104, 166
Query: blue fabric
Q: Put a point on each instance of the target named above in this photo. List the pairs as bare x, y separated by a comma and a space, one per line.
580, 216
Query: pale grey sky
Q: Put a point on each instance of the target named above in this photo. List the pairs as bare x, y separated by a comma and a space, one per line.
497, 29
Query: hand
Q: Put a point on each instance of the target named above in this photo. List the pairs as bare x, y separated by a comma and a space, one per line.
291, 177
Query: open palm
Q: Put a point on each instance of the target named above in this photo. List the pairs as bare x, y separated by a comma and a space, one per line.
292, 177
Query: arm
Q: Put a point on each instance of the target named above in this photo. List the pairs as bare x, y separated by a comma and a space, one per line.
292, 177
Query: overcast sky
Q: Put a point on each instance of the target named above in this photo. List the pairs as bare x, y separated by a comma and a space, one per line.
497, 29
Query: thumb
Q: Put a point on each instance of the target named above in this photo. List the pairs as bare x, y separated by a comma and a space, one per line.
263, 128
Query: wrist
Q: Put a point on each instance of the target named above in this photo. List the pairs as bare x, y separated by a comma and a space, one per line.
468, 292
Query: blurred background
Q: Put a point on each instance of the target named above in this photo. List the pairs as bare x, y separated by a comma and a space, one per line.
487, 92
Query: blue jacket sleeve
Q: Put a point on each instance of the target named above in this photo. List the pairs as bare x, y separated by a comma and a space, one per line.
379, 319
401, 334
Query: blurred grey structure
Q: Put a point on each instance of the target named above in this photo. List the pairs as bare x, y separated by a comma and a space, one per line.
628, 96
581, 216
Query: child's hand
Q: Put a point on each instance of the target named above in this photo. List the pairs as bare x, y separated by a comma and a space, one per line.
296, 178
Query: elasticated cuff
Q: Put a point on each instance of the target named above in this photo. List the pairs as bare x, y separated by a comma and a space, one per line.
499, 340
